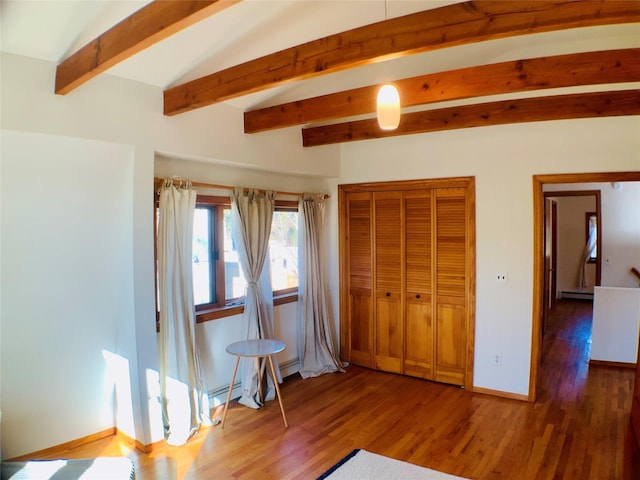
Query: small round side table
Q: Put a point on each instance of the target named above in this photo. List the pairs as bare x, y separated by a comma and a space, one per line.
258, 349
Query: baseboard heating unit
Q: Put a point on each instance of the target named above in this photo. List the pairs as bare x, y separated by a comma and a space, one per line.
576, 295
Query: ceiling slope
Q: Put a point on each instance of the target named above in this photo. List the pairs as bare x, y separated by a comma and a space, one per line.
558, 107
590, 68
151, 24
468, 24
452, 25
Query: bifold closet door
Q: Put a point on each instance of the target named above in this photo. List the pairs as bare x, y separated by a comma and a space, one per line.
418, 359
388, 222
360, 265
451, 286
407, 277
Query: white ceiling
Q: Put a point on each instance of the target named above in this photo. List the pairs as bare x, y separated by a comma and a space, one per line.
53, 29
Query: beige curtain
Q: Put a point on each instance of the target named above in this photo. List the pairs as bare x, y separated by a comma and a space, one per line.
583, 279
252, 214
185, 403
317, 351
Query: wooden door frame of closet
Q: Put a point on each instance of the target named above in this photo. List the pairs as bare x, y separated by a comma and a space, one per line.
454, 182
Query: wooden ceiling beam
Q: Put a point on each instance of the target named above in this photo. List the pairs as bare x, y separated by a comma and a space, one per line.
448, 26
591, 68
152, 23
558, 107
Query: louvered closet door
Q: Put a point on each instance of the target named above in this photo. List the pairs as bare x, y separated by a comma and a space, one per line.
418, 360
450, 288
360, 307
388, 279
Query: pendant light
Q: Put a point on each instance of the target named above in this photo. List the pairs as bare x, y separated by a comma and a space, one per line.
388, 102
388, 107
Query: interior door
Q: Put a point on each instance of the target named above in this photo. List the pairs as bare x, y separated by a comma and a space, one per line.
554, 253
550, 258
451, 286
418, 241
360, 265
407, 274
389, 331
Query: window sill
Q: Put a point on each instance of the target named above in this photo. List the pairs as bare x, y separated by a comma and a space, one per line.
230, 310
218, 312
285, 298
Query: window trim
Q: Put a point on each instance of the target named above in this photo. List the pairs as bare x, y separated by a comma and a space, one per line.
224, 308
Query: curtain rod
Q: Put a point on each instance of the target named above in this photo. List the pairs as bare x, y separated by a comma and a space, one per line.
159, 181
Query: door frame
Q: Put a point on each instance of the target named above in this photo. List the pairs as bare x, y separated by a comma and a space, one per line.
538, 254
598, 202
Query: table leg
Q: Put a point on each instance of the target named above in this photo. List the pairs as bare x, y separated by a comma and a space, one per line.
275, 382
259, 380
233, 379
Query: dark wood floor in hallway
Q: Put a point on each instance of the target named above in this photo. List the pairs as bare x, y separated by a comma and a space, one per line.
578, 428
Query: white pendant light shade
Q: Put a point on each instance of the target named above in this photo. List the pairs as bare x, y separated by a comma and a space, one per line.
388, 107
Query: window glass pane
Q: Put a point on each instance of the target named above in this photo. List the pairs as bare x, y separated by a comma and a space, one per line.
233, 276
202, 261
283, 250
593, 235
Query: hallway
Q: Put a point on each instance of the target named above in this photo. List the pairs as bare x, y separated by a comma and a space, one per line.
600, 395
566, 348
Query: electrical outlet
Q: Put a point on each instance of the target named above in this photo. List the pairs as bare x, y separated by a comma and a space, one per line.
497, 359
501, 277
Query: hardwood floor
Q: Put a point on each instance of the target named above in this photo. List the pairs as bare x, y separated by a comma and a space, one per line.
578, 428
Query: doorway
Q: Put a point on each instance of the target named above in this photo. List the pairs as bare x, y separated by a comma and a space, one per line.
574, 206
539, 254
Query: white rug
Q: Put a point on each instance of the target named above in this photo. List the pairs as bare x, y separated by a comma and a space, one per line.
101, 468
363, 465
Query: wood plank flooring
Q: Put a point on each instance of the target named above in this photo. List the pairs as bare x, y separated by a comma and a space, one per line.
578, 428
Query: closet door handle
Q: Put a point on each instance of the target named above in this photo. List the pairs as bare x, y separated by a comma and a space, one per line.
388, 294
418, 296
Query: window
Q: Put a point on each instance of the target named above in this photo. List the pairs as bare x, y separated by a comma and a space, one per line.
283, 250
208, 274
204, 255
218, 281
283, 255
591, 224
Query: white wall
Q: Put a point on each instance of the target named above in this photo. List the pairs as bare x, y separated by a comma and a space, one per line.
110, 108
571, 242
67, 219
117, 111
620, 227
621, 235
503, 160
